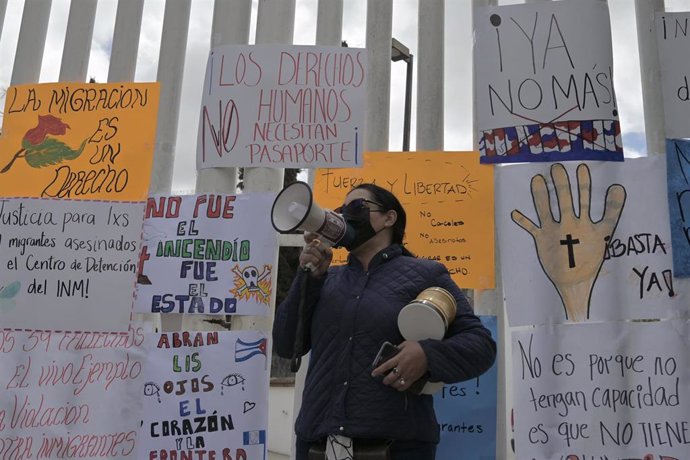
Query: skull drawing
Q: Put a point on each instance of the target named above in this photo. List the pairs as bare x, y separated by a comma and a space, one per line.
250, 275
251, 278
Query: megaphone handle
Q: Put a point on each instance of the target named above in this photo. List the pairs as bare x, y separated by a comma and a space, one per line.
308, 267
295, 363
296, 360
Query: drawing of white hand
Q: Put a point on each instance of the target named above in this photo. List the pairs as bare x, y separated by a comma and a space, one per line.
571, 250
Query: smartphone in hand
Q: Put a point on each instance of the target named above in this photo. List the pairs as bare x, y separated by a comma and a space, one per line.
386, 352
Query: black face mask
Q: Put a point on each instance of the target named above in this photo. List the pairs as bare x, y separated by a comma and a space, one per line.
359, 229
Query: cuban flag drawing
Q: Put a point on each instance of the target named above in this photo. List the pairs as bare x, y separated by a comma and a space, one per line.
246, 350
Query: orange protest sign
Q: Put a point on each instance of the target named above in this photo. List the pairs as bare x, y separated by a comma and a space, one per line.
449, 200
79, 140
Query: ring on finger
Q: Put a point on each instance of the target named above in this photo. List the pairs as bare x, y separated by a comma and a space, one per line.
402, 381
395, 371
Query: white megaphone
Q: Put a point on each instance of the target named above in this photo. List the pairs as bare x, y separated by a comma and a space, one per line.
294, 209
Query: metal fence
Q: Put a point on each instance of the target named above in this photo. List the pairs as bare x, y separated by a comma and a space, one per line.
274, 21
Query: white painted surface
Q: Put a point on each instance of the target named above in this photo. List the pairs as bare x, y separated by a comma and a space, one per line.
280, 421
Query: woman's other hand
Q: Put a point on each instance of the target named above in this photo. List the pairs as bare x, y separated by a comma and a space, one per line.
408, 366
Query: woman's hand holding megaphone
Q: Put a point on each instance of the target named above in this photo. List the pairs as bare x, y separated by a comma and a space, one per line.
315, 255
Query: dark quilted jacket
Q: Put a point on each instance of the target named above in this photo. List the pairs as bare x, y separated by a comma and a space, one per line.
350, 313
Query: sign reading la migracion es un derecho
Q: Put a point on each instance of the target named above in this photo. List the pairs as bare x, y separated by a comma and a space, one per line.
78, 140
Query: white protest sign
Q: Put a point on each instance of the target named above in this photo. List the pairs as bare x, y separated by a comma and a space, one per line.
207, 253
205, 395
283, 106
69, 265
602, 390
544, 86
560, 261
674, 58
70, 394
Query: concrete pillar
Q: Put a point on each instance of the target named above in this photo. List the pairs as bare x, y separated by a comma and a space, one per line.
31, 42
652, 100
490, 302
275, 22
231, 21
170, 70
430, 74
378, 42
329, 23
650, 71
123, 57
77, 47
3, 9
275, 25
329, 26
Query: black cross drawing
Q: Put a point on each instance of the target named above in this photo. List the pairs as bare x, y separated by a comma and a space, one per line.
570, 242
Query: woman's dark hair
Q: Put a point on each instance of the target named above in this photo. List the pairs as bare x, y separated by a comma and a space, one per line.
389, 202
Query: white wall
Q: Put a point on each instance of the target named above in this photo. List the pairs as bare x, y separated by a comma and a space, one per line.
280, 421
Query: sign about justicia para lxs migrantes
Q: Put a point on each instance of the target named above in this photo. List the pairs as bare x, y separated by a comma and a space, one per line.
68, 264
283, 106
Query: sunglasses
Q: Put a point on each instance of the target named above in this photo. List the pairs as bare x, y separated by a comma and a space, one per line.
357, 205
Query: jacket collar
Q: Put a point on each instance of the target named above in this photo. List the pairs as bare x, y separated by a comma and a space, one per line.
381, 257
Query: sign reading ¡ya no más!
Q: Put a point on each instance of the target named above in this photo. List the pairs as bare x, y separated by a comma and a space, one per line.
545, 88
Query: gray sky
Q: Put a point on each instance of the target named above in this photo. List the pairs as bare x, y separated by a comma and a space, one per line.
458, 52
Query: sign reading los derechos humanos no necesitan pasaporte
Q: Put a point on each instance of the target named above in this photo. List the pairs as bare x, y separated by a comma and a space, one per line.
283, 106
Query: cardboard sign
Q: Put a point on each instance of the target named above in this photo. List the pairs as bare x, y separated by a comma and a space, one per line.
67, 264
544, 83
602, 390
70, 394
674, 58
586, 241
283, 106
448, 199
79, 140
678, 179
466, 413
208, 253
205, 395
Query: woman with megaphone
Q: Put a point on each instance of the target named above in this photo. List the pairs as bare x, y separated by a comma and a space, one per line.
349, 316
